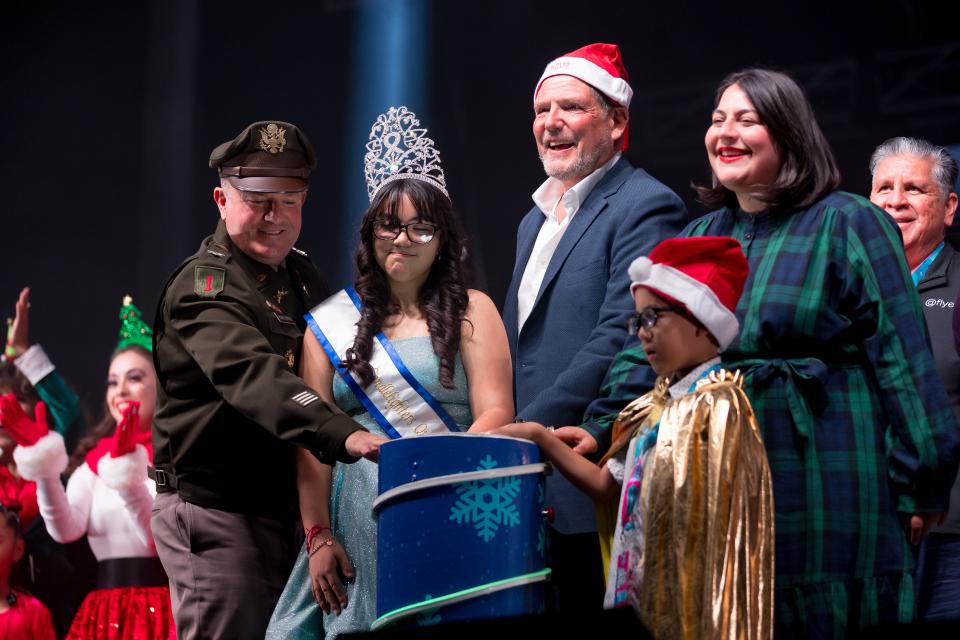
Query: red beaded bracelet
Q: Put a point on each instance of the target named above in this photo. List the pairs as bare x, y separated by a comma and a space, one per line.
313, 532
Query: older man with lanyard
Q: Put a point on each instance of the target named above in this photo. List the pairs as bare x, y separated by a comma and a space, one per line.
230, 407
913, 182
569, 299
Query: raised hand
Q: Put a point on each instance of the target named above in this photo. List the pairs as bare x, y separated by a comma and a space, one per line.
18, 424
127, 430
18, 329
20, 337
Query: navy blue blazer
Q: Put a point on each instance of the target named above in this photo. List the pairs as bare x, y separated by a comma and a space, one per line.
578, 322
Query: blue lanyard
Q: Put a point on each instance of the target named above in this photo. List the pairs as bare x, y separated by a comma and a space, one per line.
649, 439
921, 270
703, 375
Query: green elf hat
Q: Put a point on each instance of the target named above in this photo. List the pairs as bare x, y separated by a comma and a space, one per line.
133, 330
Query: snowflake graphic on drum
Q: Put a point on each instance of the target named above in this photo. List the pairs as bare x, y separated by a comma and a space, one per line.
487, 504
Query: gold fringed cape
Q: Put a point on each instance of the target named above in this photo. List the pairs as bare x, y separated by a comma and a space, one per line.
708, 562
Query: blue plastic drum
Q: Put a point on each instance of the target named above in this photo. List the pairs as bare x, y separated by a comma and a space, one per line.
461, 529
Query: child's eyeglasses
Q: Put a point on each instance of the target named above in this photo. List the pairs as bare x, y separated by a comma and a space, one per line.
647, 319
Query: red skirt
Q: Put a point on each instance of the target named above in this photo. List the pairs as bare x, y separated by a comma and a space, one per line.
125, 613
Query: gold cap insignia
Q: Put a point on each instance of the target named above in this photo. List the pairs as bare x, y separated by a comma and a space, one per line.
273, 138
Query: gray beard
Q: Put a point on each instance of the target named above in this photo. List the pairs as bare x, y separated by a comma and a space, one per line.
584, 165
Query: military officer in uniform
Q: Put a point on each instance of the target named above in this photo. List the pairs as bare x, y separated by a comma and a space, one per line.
231, 409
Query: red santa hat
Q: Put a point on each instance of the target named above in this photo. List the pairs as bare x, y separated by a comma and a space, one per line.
601, 67
705, 275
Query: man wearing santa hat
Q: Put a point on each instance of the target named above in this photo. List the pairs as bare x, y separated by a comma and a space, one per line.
569, 300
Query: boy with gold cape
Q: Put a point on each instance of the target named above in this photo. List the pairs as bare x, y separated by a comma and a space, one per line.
693, 547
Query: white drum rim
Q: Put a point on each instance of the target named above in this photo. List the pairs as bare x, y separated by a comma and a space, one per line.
458, 478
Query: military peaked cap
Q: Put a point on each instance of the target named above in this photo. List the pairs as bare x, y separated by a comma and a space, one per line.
268, 156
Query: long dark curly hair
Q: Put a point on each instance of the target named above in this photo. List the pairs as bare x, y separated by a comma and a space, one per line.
442, 298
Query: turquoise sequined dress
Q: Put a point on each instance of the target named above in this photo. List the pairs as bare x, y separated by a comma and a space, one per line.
354, 489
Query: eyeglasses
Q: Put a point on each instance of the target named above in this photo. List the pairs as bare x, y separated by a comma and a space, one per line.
647, 319
418, 232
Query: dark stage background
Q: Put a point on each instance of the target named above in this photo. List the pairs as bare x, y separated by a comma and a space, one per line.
111, 110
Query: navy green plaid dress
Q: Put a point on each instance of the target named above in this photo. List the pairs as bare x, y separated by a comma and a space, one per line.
856, 423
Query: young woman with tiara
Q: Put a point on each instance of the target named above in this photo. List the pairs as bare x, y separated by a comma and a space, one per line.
408, 317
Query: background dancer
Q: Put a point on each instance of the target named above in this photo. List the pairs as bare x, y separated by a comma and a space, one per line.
108, 497
21, 615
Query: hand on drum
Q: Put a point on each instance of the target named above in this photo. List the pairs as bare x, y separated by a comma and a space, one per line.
577, 439
364, 444
532, 431
329, 567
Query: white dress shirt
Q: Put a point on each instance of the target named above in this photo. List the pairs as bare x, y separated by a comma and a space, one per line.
547, 198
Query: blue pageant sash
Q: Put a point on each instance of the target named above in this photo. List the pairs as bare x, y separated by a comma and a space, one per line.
395, 398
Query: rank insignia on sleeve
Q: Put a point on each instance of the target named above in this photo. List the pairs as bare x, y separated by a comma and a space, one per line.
305, 398
208, 281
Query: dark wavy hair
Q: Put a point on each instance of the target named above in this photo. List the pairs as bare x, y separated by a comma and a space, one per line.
107, 424
10, 514
12, 381
442, 298
808, 170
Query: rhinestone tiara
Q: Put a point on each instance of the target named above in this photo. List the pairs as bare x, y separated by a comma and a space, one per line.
399, 149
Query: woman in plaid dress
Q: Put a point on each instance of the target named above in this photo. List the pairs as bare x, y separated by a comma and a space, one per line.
861, 439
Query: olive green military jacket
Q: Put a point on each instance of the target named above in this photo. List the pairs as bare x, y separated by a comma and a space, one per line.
230, 407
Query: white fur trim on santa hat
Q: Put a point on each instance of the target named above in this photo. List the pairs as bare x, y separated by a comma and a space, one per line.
46, 458
124, 472
699, 299
597, 77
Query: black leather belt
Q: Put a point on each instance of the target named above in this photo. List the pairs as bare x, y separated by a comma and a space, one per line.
165, 480
223, 498
130, 572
